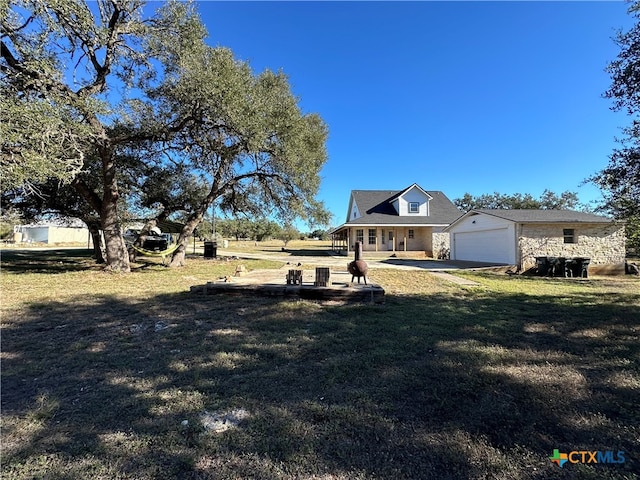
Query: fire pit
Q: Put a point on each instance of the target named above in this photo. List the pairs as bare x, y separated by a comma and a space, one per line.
358, 268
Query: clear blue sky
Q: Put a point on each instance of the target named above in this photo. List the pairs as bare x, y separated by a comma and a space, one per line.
456, 96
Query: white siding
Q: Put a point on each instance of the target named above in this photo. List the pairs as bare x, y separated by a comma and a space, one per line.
483, 238
413, 195
35, 234
353, 212
68, 235
53, 234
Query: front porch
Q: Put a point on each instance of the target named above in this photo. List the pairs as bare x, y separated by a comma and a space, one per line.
385, 240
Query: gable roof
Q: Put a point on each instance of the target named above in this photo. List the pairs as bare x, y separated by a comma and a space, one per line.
545, 216
537, 216
376, 207
416, 186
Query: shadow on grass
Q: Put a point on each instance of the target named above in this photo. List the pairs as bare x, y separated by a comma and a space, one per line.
472, 386
300, 252
47, 260
439, 264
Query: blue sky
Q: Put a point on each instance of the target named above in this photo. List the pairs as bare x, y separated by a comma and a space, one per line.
456, 96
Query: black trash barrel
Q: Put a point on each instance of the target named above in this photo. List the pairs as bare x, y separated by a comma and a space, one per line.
556, 266
210, 250
584, 267
572, 267
542, 266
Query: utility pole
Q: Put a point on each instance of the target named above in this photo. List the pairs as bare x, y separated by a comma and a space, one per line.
213, 222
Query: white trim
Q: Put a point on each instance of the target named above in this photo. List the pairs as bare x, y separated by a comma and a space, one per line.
415, 185
398, 225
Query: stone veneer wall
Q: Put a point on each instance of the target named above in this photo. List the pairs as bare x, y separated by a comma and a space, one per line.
603, 244
441, 245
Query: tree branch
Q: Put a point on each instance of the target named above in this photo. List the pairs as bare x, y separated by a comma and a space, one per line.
88, 194
103, 70
8, 32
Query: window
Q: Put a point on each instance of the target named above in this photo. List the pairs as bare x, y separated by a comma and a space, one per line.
360, 235
372, 236
411, 233
383, 242
414, 207
569, 235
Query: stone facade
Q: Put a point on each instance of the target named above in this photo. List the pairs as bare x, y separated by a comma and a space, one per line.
441, 245
604, 244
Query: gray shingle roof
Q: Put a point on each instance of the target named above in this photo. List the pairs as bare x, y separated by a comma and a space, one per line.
376, 209
545, 216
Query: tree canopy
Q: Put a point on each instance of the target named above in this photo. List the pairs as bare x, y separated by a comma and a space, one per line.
547, 201
243, 134
620, 179
101, 95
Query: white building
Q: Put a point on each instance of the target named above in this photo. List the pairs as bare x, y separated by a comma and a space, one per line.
51, 234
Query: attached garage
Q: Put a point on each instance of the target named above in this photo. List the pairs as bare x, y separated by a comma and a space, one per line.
483, 238
483, 246
517, 237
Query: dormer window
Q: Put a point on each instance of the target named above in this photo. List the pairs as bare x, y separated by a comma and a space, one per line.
414, 207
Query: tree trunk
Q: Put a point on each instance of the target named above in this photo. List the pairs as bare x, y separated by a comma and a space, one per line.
116, 248
97, 242
178, 258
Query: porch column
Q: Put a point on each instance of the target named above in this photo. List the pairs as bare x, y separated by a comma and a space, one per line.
376, 239
405, 239
348, 239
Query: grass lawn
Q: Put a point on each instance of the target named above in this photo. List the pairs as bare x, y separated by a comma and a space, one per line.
316, 248
108, 376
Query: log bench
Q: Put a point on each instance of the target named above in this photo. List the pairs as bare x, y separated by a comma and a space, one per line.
294, 277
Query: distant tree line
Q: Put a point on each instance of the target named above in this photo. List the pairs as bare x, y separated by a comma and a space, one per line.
258, 230
547, 201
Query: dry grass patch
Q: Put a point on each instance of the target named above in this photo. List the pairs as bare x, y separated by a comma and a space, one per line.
100, 373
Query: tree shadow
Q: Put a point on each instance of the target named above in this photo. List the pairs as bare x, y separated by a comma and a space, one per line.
438, 386
440, 264
47, 260
302, 252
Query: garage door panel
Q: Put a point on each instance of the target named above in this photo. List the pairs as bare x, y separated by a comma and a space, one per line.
483, 246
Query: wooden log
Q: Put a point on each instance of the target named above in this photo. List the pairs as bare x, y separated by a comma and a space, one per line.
294, 277
323, 277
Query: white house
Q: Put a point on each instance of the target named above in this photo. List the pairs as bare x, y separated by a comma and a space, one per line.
409, 220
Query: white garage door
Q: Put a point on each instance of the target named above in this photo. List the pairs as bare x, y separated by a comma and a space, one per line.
483, 246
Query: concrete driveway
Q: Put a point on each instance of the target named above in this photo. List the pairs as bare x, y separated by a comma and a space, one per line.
327, 259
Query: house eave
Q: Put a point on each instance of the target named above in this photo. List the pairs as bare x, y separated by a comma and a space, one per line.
386, 225
541, 221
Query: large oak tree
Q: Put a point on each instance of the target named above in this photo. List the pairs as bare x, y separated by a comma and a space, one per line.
103, 81
243, 134
71, 71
